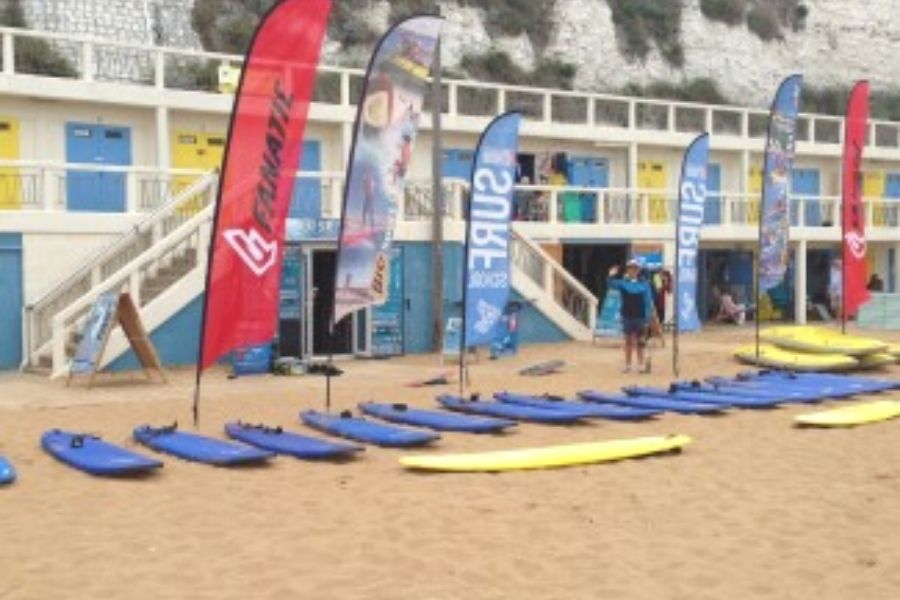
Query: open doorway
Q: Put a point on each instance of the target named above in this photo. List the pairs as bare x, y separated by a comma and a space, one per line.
324, 263
590, 263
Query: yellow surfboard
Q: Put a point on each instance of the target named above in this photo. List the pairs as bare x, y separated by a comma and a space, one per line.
875, 361
894, 349
848, 416
779, 358
548, 457
821, 340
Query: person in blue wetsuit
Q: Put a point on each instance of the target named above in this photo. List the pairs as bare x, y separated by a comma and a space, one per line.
636, 310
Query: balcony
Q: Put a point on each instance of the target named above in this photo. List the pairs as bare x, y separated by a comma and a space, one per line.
35, 190
174, 77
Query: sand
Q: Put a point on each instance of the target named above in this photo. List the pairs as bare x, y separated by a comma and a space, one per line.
754, 508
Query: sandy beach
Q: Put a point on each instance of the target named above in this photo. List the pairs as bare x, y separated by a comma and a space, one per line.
754, 508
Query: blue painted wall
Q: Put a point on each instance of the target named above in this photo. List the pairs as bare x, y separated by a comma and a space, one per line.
10, 300
175, 340
534, 327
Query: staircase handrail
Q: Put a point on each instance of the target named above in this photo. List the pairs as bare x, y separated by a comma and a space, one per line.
144, 225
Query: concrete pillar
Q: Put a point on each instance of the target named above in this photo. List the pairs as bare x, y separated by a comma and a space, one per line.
800, 282
632, 174
163, 157
669, 259
346, 142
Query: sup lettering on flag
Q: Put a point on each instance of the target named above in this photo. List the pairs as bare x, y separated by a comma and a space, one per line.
692, 199
486, 286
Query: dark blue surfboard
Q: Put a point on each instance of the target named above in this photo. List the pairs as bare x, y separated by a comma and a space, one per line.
198, 448
864, 385
597, 411
678, 406
709, 398
789, 389
92, 455
782, 393
7, 473
275, 439
434, 419
507, 411
368, 432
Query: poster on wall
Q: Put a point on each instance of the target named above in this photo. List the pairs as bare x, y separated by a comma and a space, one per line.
387, 318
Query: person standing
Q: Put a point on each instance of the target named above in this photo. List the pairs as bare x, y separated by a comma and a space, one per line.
636, 309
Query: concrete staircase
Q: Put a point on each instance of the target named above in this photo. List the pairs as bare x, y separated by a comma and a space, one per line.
554, 291
161, 263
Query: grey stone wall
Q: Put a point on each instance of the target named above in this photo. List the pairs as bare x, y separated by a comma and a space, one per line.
843, 41
163, 22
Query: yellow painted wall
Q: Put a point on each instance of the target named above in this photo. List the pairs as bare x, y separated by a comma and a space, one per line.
754, 188
10, 184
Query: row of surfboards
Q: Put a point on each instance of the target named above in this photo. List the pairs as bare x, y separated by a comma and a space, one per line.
259, 443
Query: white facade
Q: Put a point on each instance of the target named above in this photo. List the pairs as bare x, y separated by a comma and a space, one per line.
626, 132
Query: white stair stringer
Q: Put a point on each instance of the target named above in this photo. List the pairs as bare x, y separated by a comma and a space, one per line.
554, 291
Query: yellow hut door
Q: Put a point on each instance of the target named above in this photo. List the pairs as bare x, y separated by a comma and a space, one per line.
652, 176
195, 151
10, 181
754, 188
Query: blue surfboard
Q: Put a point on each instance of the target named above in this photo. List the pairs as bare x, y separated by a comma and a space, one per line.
7, 473
864, 384
678, 406
92, 455
790, 393
723, 400
597, 411
198, 448
820, 391
434, 419
277, 440
507, 411
369, 432
781, 394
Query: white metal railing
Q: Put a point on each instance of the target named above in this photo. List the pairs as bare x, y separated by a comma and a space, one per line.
95, 59
185, 242
48, 186
574, 205
544, 271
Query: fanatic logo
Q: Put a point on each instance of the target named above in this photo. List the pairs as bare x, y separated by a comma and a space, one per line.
857, 244
258, 254
488, 315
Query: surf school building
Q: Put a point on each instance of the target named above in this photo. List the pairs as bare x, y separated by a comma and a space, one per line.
107, 180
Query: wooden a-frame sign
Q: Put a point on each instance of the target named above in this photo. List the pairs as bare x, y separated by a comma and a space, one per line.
111, 309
